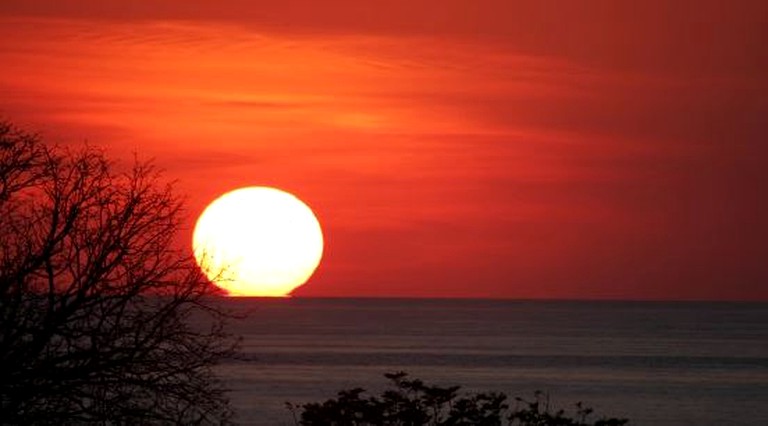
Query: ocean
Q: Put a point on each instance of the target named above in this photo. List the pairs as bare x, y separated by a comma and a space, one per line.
656, 363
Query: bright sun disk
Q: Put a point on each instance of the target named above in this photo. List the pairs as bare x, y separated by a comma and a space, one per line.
258, 241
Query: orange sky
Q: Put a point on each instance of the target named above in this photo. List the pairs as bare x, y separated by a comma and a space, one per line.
538, 149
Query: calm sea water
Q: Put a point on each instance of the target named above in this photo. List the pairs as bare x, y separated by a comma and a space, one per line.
655, 363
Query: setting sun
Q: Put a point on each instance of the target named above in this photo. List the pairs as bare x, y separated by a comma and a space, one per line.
258, 241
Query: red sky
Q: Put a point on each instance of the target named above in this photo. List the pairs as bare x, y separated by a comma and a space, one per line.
450, 148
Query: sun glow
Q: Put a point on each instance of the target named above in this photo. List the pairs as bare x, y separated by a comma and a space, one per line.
258, 241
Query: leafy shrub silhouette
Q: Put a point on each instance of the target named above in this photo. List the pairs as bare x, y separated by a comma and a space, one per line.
411, 402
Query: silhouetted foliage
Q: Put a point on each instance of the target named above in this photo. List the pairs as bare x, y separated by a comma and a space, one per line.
411, 402
101, 319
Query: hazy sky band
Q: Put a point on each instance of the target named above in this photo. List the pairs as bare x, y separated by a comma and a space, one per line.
494, 149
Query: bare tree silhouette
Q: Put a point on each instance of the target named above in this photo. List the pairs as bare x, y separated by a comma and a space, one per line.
101, 319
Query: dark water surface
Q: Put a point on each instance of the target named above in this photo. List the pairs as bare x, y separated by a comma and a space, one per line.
657, 363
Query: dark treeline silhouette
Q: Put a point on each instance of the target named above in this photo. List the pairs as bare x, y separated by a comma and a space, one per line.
96, 305
411, 402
